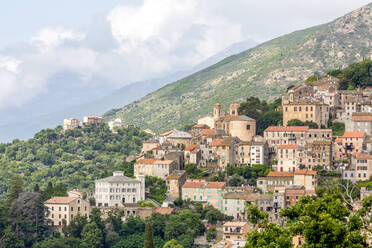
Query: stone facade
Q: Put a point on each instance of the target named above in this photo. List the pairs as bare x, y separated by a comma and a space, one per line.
209, 193
66, 208
306, 111
119, 189
154, 167
70, 123
174, 183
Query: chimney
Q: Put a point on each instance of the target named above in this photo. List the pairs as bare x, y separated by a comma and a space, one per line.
118, 174
234, 109
217, 111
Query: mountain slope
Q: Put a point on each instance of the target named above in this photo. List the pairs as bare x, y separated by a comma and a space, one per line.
23, 123
263, 71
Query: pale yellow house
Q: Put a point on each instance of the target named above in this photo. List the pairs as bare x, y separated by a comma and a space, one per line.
66, 208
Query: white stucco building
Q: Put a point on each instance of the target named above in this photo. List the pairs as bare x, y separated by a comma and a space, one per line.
119, 189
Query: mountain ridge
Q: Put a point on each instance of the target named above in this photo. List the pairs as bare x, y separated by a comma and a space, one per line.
265, 71
28, 125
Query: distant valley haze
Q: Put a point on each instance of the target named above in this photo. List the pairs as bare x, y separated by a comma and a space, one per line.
74, 58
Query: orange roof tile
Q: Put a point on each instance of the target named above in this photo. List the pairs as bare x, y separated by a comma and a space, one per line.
363, 156
287, 129
204, 126
193, 184
61, 200
363, 118
280, 174
208, 132
216, 142
287, 146
164, 210
353, 135
320, 130
191, 147
146, 161
305, 172
215, 185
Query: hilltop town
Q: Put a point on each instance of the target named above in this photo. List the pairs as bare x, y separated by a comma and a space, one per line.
199, 165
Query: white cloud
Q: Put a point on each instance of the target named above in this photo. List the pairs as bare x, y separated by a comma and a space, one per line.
133, 43
49, 38
158, 31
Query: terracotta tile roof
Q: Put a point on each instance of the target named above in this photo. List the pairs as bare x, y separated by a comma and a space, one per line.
146, 161
230, 223
61, 200
176, 174
215, 185
287, 146
305, 172
295, 192
353, 135
320, 130
216, 142
191, 147
287, 129
195, 151
363, 118
164, 210
168, 132
154, 161
338, 139
193, 184
208, 132
262, 178
350, 100
204, 126
363, 156
280, 174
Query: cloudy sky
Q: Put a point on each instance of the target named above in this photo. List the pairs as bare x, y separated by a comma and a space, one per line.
120, 42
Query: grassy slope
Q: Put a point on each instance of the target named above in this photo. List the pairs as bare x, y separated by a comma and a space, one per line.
263, 71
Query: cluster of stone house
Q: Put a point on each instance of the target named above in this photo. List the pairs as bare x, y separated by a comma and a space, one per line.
72, 123
218, 141
321, 102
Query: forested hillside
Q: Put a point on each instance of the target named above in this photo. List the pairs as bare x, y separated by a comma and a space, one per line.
264, 71
73, 158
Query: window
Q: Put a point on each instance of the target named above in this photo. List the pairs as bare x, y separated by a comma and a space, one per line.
248, 127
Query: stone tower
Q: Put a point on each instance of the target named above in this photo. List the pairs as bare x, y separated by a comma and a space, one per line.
234, 109
217, 111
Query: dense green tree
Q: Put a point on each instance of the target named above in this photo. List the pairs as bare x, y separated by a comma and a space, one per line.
111, 239
76, 226
338, 128
95, 217
211, 233
62, 242
172, 244
297, 122
11, 240
92, 235
16, 188
213, 215
325, 222
73, 158
264, 113
356, 75
132, 241
270, 235
149, 242
28, 218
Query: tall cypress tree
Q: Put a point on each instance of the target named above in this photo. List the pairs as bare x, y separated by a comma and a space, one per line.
149, 242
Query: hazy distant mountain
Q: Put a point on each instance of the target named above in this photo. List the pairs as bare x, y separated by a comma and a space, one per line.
264, 71
66, 98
